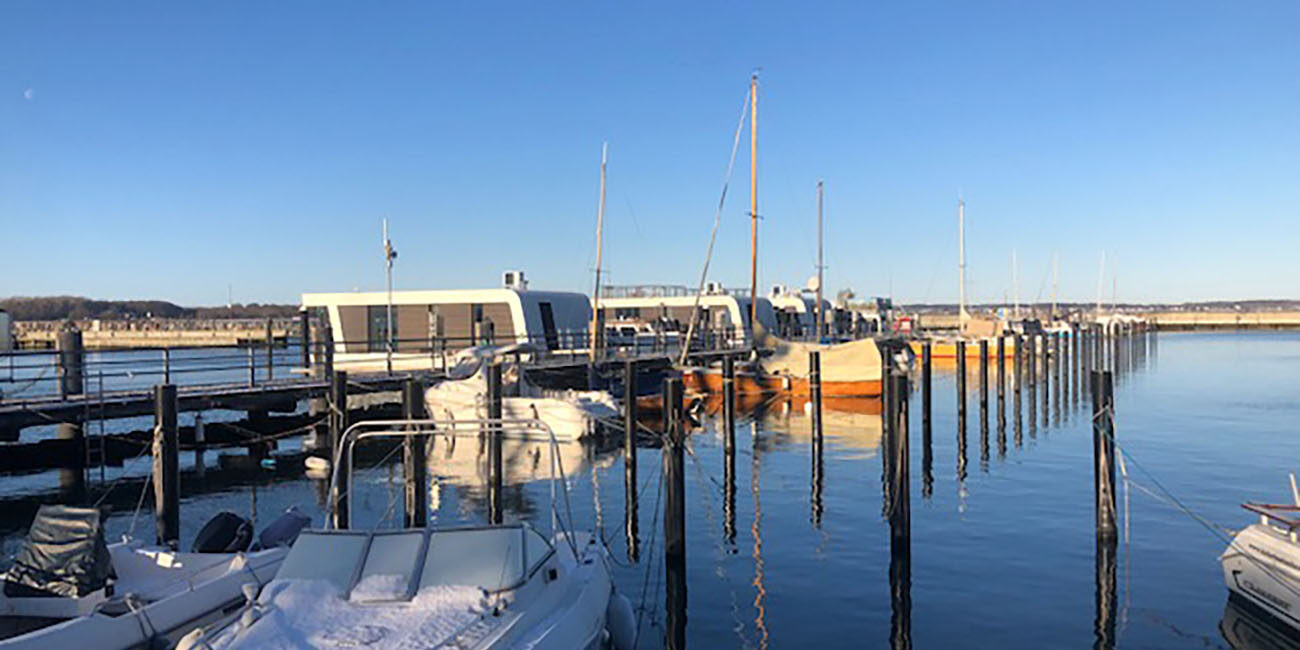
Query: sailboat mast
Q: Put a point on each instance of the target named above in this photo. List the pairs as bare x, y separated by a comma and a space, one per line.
1015, 283
600, 230
1101, 277
821, 317
753, 202
1056, 277
961, 261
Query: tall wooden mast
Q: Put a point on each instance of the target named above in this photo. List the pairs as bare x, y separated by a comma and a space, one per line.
600, 230
753, 202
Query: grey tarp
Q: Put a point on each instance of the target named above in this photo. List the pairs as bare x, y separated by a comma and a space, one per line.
64, 555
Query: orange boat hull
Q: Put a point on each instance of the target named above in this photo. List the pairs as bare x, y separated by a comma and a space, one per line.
710, 381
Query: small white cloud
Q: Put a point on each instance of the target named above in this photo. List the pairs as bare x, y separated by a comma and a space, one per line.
29, 94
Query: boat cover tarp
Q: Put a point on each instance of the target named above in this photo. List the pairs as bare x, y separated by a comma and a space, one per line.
841, 362
64, 555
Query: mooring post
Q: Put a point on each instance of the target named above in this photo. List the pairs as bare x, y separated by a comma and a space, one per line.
1047, 376
629, 459
304, 337
414, 461
338, 421
729, 448
961, 383
166, 467
925, 391
1002, 380
72, 475
674, 518
984, 379
815, 399
72, 360
252, 364
729, 404
496, 490
1103, 451
270, 351
327, 348
815, 392
900, 516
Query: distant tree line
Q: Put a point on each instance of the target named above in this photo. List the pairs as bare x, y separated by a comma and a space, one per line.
24, 308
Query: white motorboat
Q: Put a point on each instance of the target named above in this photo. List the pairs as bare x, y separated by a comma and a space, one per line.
570, 414
1262, 563
68, 589
495, 586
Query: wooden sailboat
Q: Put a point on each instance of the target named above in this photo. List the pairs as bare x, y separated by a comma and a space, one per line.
850, 369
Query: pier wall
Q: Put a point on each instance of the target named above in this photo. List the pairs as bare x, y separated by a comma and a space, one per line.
163, 332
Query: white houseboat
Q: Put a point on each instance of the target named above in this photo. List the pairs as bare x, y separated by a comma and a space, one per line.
428, 327
666, 311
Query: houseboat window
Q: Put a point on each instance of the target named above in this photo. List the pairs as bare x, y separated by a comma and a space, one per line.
377, 330
548, 326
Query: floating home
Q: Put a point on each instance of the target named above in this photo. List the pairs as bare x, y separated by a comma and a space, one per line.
666, 310
430, 326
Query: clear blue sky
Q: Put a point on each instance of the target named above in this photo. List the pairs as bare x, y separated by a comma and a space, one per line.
166, 150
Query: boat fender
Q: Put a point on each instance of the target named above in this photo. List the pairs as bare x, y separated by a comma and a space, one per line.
284, 530
620, 622
227, 532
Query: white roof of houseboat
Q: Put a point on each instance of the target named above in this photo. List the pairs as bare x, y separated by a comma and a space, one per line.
433, 296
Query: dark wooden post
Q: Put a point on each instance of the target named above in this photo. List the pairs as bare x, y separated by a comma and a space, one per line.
166, 467
984, 380
496, 489
338, 421
674, 518
900, 515
629, 459
414, 460
1103, 451
270, 351
961, 383
1002, 381
72, 359
925, 390
304, 337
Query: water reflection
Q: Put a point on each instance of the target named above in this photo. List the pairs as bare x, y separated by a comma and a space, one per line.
1245, 627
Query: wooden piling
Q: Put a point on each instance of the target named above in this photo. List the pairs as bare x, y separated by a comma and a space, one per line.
304, 337
338, 424
961, 383
414, 457
496, 469
1103, 452
629, 459
1002, 381
815, 392
270, 351
166, 467
925, 389
72, 357
674, 518
984, 379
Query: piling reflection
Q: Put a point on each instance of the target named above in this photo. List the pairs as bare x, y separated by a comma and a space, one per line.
1104, 602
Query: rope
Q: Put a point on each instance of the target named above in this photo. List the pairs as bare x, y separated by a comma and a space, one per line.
713, 234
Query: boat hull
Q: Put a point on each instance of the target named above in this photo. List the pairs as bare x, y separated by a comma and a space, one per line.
1262, 566
709, 380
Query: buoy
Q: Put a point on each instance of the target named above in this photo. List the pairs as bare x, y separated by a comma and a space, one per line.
621, 622
316, 463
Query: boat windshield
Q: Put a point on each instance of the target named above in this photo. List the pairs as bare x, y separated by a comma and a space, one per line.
383, 565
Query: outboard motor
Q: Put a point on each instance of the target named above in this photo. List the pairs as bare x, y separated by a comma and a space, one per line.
284, 530
227, 532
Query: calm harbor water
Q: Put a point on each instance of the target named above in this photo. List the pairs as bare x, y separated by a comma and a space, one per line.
1003, 545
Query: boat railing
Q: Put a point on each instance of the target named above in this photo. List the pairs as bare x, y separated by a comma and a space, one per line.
515, 429
1286, 517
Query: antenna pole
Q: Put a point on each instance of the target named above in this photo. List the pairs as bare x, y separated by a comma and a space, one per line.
821, 317
753, 203
600, 229
1101, 278
388, 269
1056, 277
